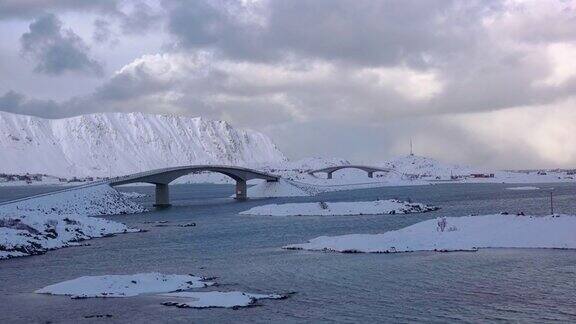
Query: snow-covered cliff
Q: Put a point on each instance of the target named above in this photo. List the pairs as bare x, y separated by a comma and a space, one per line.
115, 143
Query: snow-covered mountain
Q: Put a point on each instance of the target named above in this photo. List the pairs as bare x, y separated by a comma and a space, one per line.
115, 143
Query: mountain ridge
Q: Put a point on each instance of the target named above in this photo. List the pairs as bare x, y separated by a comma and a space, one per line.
110, 144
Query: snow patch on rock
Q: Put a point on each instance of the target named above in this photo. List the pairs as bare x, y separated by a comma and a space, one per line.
133, 195
217, 299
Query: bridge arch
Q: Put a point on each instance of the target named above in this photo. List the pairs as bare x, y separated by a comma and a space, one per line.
161, 178
369, 169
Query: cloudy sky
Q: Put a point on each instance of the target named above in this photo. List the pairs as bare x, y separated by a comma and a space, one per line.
487, 83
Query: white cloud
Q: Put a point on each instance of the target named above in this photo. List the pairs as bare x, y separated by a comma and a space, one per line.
563, 64
524, 136
411, 84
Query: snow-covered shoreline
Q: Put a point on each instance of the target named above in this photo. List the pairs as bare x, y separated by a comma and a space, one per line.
36, 225
468, 233
377, 207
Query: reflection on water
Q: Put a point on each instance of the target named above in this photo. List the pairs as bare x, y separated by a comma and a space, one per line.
243, 251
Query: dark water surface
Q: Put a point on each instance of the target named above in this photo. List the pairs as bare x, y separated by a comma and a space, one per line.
244, 252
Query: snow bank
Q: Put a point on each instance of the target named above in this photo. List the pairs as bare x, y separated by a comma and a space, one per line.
211, 299
124, 285
459, 234
523, 188
376, 207
35, 225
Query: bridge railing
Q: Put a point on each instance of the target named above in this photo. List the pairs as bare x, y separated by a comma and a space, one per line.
71, 188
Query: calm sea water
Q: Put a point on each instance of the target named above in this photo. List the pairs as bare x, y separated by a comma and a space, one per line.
244, 253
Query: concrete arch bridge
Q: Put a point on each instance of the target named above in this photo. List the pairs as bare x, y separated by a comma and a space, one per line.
162, 177
369, 169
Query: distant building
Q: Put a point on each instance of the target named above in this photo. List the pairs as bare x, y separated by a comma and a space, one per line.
482, 175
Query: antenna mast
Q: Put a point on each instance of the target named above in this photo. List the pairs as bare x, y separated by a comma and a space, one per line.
411, 152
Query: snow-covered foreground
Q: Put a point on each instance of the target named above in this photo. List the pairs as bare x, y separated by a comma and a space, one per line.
172, 286
57, 220
459, 234
211, 299
391, 206
124, 285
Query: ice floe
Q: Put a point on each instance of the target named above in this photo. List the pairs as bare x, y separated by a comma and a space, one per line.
391, 206
467, 233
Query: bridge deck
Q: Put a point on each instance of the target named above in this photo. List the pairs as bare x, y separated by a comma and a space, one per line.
167, 175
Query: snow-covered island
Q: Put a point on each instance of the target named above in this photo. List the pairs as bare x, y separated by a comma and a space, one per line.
468, 233
36, 225
108, 286
377, 207
171, 286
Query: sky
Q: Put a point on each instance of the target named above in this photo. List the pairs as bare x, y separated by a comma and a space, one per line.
484, 83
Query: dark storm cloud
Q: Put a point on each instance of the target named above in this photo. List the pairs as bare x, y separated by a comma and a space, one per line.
450, 37
17, 103
200, 23
102, 32
57, 50
26, 9
363, 32
140, 20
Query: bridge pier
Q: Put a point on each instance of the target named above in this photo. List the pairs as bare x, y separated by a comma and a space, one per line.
241, 190
162, 195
